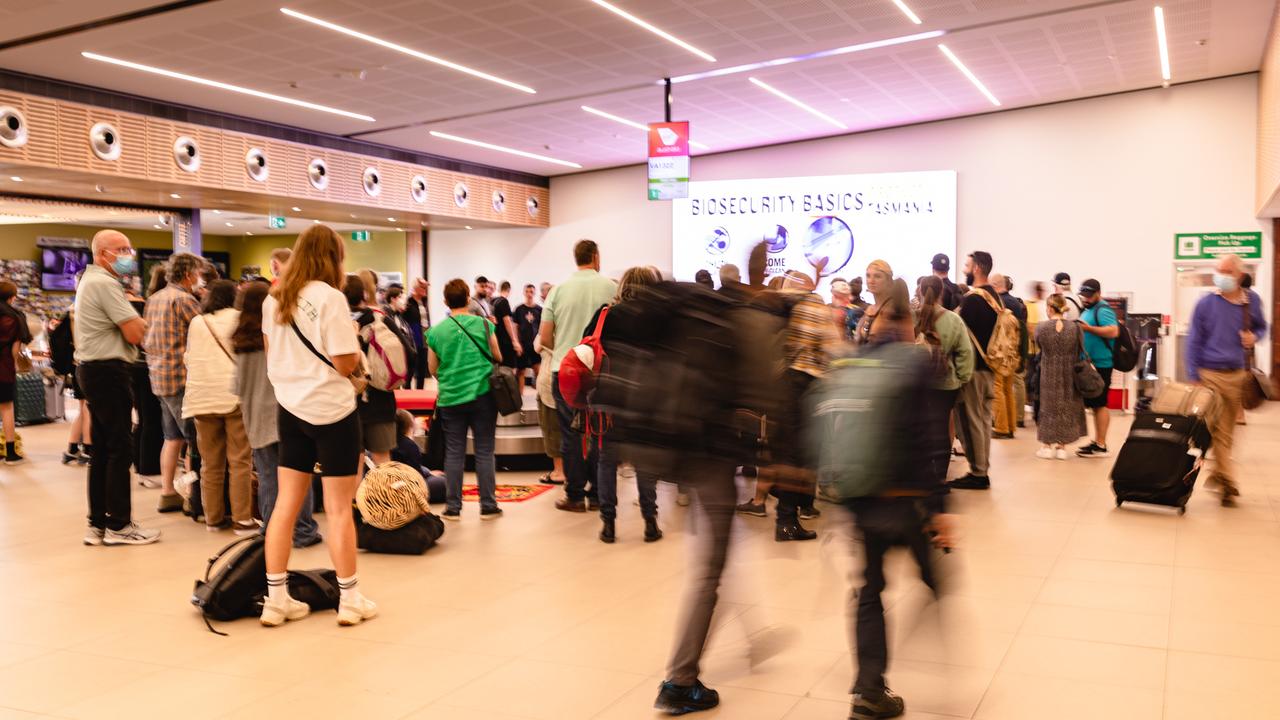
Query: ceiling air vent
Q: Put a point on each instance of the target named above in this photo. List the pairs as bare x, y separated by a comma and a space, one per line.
532, 206
255, 163
460, 194
499, 201
105, 141
13, 127
318, 174
372, 182
418, 189
186, 154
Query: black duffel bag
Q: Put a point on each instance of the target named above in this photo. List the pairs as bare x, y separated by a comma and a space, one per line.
415, 538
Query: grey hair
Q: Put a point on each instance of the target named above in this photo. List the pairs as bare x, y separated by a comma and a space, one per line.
180, 267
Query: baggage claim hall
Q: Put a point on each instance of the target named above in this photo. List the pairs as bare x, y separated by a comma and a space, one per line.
622, 359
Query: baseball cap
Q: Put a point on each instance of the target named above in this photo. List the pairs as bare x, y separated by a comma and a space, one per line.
941, 263
1062, 279
1090, 287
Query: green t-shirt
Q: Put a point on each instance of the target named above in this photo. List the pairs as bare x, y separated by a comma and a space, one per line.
463, 374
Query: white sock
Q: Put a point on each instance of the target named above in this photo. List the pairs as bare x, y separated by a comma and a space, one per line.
277, 587
349, 587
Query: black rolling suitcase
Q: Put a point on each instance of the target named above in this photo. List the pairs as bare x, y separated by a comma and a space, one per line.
1160, 460
29, 406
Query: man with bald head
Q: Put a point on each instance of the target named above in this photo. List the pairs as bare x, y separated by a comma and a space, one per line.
1224, 329
107, 334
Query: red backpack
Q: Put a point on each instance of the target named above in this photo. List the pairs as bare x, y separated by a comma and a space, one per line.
578, 370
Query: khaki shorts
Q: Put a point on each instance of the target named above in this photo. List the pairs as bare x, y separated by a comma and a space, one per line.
549, 421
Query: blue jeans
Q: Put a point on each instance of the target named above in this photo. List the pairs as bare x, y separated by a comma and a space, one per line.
267, 462
578, 470
481, 417
607, 484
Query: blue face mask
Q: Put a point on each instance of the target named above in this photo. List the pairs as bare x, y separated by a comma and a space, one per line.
124, 264
1225, 283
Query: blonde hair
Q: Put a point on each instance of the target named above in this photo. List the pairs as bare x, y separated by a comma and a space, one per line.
634, 279
317, 255
370, 280
881, 266
1057, 303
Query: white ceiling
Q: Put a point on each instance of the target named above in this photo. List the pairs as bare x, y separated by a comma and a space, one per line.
573, 52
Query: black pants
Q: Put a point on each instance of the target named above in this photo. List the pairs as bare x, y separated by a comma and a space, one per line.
939, 406
108, 389
580, 470
148, 434
788, 446
420, 368
884, 523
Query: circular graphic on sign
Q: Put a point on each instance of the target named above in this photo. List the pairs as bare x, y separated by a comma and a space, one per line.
777, 239
718, 241
830, 239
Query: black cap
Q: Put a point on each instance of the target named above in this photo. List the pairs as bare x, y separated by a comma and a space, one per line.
1062, 279
941, 263
1090, 287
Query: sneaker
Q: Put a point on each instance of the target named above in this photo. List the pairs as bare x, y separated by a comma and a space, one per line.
274, 615
751, 508
491, 514
247, 529
680, 699
83, 458
184, 482
1061, 453
1093, 450
356, 611
130, 534
219, 527
169, 503
809, 513
875, 706
970, 482
149, 483
1045, 453
682, 499
14, 459
454, 515
68, 458
93, 536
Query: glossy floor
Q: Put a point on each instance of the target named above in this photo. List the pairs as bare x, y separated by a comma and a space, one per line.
1064, 606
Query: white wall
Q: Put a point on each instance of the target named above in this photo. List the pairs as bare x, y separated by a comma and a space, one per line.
1096, 188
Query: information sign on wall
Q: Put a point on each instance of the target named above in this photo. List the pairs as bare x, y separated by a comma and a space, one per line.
668, 160
1207, 246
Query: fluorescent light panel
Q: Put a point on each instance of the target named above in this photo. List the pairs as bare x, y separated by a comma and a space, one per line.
1164, 45
225, 86
634, 124
969, 74
907, 11
407, 51
655, 30
500, 148
797, 103
810, 56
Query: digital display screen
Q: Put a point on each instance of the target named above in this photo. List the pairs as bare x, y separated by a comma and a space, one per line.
60, 266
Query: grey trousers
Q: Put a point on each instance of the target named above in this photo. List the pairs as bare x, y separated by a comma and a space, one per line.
715, 493
973, 420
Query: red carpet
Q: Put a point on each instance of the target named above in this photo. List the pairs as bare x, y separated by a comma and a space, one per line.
506, 493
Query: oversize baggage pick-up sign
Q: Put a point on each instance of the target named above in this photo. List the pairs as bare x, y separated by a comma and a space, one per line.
668, 160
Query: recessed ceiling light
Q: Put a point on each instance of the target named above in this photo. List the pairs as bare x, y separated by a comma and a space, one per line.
797, 103
226, 86
407, 51
175, 196
468, 227
499, 148
317, 222
969, 74
809, 56
15, 178
217, 212
656, 31
907, 11
297, 209
1163, 40
231, 224
246, 232
633, 123
391, 219
158, 227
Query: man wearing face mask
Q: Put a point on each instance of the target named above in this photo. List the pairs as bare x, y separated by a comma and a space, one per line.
107, 332
169, 313
1216, 346
1098, 321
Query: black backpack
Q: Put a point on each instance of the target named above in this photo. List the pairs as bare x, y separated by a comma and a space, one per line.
1124, 352
239, 585
415, 538
62, 347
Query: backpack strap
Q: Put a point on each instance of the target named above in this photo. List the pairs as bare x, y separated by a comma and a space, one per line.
483, 352
218, 556
320, 582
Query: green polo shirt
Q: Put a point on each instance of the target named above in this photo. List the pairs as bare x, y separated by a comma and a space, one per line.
100, 308
571, 306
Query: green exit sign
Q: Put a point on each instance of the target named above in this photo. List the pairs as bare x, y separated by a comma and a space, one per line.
360, 236
275, 223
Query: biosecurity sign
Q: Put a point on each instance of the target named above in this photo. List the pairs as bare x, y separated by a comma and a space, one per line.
844, 221
668, 160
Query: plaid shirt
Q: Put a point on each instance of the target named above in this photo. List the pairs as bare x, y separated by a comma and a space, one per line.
810, 336
168, 314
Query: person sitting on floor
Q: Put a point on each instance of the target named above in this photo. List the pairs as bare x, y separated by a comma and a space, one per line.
407, 451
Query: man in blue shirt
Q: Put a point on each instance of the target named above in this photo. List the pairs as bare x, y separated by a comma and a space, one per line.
1099, 324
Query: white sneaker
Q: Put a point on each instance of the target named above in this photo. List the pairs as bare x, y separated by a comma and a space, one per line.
357, 610
275, 615
130, 534
93, 536
1045, 453
1062, 453
149, 483
183, 483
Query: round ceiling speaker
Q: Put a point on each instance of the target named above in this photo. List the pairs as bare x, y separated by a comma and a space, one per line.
318, 174
186, 154
460, 195
13, 127
255, 163
372, 182
499, 201
418, 189
105, 141
532, 206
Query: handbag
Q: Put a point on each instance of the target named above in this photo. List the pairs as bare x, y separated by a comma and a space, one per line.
1258, 388
502, 379
357, 378
1087, 380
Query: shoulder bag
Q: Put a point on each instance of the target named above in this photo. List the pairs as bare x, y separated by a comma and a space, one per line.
502, 379
357, 378
1257, 386
1087, 380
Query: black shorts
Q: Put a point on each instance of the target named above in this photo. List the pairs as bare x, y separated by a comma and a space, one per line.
337, 447
528, 359
6, 391
1101, 400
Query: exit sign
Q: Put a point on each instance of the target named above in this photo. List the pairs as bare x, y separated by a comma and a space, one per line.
275, 223
360, 236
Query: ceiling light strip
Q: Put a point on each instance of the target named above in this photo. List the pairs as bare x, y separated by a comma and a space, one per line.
225, 86
872, 45
634, 124
969, 74
500, 148
797, 103
1164, 45
407, 51
655, 30
907, 11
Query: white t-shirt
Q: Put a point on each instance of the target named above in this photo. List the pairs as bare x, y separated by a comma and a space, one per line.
304, 384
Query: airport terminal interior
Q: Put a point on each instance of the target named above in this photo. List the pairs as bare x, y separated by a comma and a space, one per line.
746, 359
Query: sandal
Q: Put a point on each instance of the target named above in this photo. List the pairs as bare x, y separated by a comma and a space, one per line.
546, 479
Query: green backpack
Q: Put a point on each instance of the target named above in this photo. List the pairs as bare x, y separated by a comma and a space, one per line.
857, 415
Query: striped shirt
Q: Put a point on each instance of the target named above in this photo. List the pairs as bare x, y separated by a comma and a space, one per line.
168, 314
810, 336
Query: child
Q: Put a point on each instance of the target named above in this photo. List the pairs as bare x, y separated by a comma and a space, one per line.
407, 451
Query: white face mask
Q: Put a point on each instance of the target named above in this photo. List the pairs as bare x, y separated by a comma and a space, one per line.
1225, 283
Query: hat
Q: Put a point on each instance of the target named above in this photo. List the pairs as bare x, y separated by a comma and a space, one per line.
1062, 279
841, 287
1090, 287
941, 263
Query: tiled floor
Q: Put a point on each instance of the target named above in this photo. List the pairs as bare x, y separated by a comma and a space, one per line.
1063, 606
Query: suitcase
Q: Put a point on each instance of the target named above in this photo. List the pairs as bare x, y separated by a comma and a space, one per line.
29, 400
1160, 460
55, 399
1176, 398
